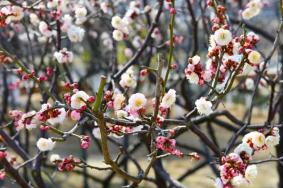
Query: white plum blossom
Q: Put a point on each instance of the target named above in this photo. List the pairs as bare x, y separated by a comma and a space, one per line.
75, 33
66, 22
44, 144
33, 18
195, 60
118, 35
80, 14
251, 173
222, 37
203, 106
79, 99
64, 56
168, 99
252, 10
249, 83
54, 157
27, 121
118, 101
121, 113
254, 57
256, 138
128, 79
193, 78
44, 29
243, 147
137, 101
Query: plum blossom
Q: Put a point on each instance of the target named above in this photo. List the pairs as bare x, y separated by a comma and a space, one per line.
118, 101
44, 29
168, 99
137, 101
118, 35
75, 33
128, 79
254, 57
79, 99
64, 56
222, 37
203, 106
253, 9
255, 140
44, 144
51, 115
239, 180
14, 13
27, 121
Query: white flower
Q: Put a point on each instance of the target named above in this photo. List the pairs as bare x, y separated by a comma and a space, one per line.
27, 121
128, 52
118, 35
78, 99
80, 12
222, 37
243, 147
193, 78
137, 101
249, 83
54, 157
121, 114
105, 7
44, 29
254, 57
257, 139
64, 56
203, 106
44, 144
117, 22
75, 33
60, 118
128, 80
249, 13
251, 173
118, 101
168, 99
271, 141
218, 183
239, 180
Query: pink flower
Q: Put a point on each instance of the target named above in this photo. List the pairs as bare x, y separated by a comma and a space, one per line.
85, 142
2, 175
168, 145
75, 115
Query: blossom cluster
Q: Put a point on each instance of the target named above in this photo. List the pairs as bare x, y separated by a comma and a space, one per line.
235, 168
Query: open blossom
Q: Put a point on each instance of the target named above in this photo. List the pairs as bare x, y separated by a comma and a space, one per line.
51, 115
44, 144
44, 29
27, 121
251, 173
118, 35
75, 33
254, 139
121, 114
252, 10
128, 79
78, 100
118, 101
254, 57
203, 106
244, 149
137, 101
66, 22
64, 56
271, 141
222, 37
80, 14
168, 99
